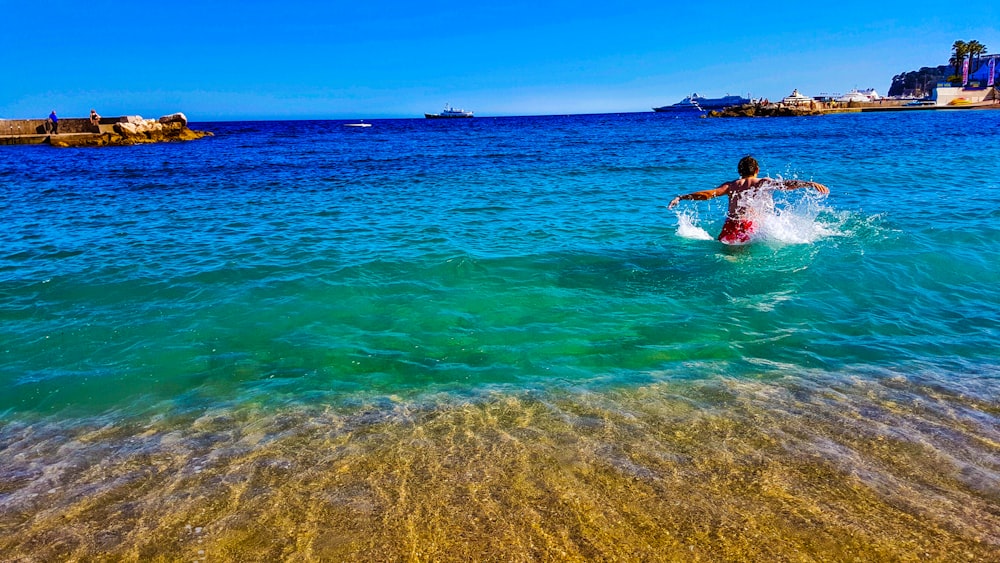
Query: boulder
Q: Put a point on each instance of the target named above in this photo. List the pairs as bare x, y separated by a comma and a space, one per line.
175, 118
140, 126
125, 128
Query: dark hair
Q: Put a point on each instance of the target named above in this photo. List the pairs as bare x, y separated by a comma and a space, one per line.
748, 166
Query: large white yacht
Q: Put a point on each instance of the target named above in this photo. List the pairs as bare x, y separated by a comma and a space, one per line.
869, 95
449, 111
797, 99
701, 103
688, 104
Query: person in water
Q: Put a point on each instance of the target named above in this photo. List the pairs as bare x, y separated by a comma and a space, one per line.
740, 219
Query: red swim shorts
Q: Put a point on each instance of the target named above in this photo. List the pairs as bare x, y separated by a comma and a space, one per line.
736, 232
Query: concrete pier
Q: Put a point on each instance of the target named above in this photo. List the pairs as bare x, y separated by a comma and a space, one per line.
110, 131
34, 131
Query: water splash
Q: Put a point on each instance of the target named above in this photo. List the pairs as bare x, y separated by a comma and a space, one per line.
780, 217
687, 226
790, 218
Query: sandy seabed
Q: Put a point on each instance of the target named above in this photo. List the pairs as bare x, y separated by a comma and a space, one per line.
883, 469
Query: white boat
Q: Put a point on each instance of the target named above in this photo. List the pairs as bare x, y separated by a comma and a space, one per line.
719, 103
869, 95
797, 99
684, 106
359, 124
701, 103
449, 112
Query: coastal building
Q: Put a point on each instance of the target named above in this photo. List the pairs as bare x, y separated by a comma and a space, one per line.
947, 95
988, 72
980, 88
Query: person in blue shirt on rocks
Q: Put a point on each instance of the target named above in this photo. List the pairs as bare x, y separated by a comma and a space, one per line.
54, 122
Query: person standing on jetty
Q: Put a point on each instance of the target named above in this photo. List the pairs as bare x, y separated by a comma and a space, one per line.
741, 216
54, 122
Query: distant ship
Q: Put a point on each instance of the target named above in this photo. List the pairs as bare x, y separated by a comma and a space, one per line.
701, 103
449, 112
797, 99
869, 95
684, 106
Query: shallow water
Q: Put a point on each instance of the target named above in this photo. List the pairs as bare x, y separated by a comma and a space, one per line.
430, 340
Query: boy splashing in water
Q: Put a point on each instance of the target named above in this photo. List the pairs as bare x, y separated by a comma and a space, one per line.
740, 219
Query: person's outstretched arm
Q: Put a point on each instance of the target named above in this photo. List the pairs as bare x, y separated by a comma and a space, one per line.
704, 194
796, 184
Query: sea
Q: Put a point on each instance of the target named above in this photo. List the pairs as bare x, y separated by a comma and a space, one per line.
490, 339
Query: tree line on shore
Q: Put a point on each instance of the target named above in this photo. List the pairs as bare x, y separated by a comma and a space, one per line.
920, 82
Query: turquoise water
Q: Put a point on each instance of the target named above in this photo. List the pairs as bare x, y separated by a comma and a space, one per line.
299, 269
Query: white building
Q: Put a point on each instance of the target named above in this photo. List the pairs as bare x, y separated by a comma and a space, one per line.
946, 95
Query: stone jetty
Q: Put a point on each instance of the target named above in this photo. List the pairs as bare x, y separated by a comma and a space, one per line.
765, 110
109, 131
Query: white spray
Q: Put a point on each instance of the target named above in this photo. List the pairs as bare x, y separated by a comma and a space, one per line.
789, 217
687, 226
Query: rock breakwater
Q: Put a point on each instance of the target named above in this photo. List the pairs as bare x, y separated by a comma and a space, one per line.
133, 130
765, 110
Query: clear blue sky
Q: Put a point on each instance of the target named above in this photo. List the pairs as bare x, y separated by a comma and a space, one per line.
305, 59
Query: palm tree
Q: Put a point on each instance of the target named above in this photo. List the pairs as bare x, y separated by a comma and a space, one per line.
958, 49
975, 49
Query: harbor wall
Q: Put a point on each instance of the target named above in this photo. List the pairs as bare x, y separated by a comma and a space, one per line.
882, 103
109, 131
37, 126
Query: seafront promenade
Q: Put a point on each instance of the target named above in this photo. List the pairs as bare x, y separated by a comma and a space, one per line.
902, 105
823, 108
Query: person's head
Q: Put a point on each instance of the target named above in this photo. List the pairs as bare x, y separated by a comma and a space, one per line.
748, 167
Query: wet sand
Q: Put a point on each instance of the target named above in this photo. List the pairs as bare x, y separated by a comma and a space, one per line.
886, 469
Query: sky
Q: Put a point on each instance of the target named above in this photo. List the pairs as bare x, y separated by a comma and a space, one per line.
304, 59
